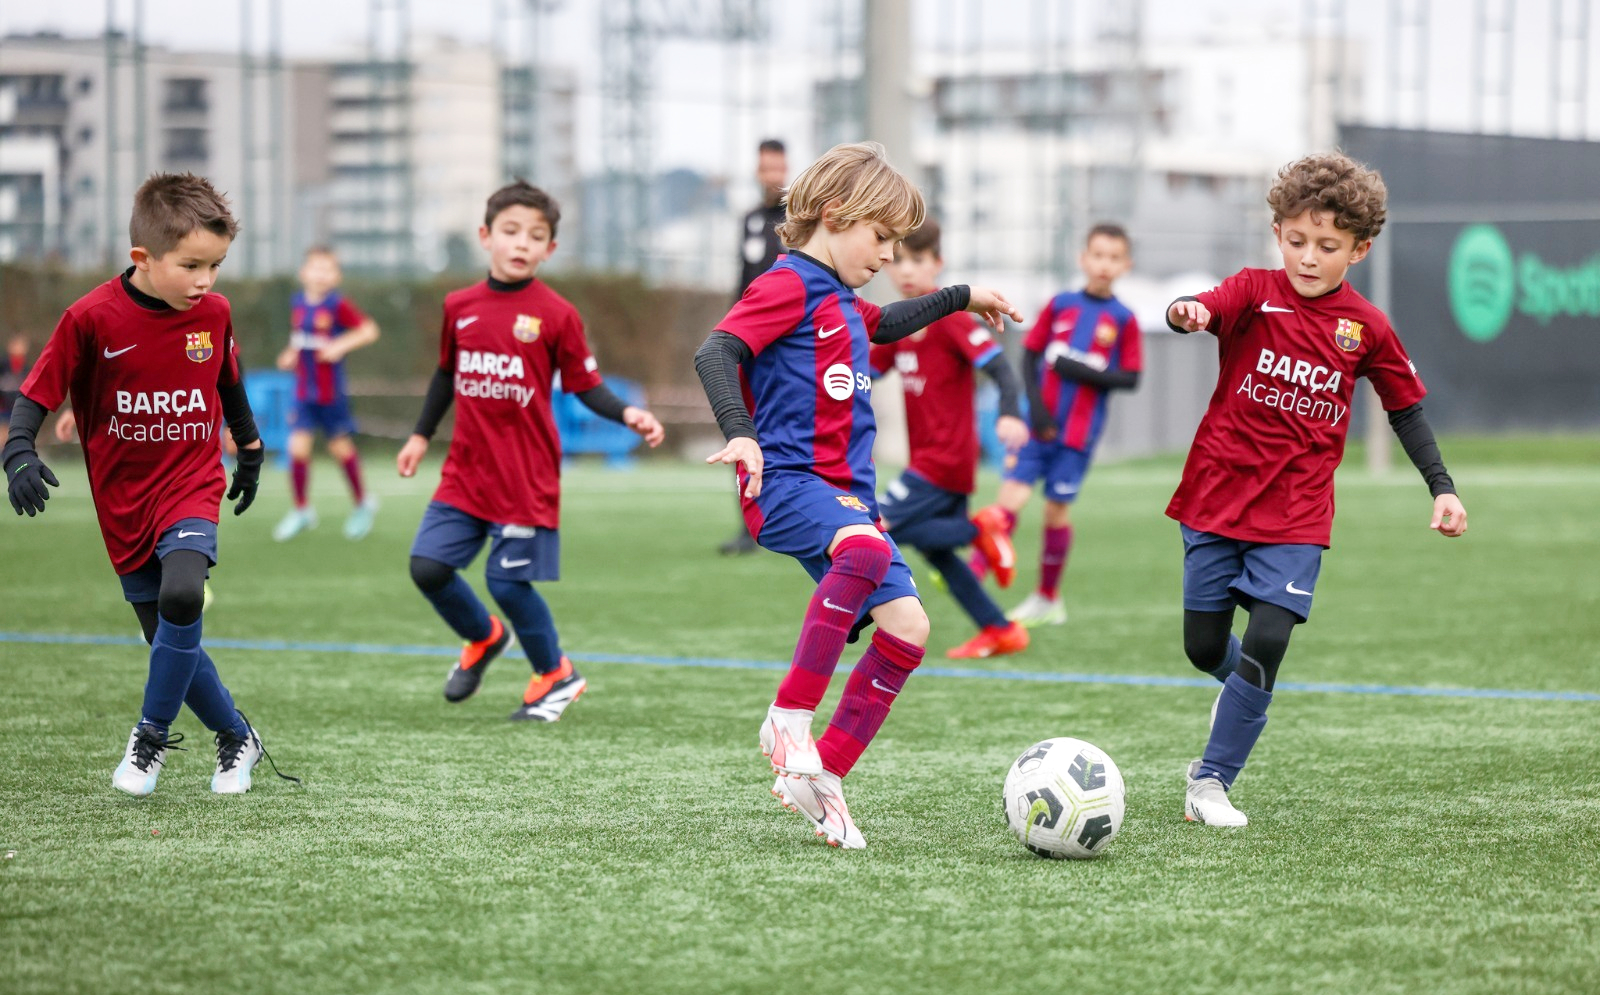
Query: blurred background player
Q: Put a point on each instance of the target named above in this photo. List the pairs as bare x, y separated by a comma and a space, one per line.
501, 345
13, 370
1255, 505
759, 248
1084, 345
804, 455
926, 506
149, 361
326, 329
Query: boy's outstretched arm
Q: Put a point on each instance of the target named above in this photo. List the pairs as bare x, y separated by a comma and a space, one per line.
1187, 314
717, 362
606, 404
1044, 427
441, 391
359, 337
26, 474
1416, 438
904, 318
1089, 369
1010, 427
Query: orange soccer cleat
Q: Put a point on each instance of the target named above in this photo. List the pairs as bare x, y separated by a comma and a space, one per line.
467, 673
994, 542
994, 640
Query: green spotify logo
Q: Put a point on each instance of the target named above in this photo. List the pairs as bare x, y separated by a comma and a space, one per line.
1483, 282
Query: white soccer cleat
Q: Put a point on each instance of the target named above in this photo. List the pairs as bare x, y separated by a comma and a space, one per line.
1036, 609
142, 760
786, 741
236, 758
360, 521
821, 800
298, 520
1206, 801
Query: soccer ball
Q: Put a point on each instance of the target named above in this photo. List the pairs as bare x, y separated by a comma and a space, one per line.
1064, 798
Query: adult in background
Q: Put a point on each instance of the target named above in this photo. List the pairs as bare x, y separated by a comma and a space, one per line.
759, 248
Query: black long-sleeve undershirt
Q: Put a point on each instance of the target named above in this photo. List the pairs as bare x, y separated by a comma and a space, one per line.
907, 317
26, 417
717, 362
1005, 378
1416, 438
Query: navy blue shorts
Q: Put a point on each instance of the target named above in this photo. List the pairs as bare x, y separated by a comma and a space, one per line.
143, 585
911, 498
801, 513
332, 419
1219, 573
1062, 468
516, 552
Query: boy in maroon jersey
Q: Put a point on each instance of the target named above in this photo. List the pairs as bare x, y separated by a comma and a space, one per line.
927, 506
149, 362
1256, 501
502, 343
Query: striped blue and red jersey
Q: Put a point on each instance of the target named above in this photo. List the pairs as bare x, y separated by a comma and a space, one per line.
809, 385
1088, 326
313, 326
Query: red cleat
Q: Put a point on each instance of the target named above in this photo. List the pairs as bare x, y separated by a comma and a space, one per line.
994, 542
995, 640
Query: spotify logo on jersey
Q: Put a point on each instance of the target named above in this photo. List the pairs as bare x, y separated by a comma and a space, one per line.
1483, 282
839, 381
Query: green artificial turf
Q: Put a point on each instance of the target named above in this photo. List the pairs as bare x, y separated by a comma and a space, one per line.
1397, 843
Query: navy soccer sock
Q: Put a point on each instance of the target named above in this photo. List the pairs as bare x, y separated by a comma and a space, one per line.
1241, 715
209, 699
174, 656
1230, 660
948, 532
966, 588
531, 620
461, 610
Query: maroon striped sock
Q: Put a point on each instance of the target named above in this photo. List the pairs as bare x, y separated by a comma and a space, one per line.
859, 564
868, 696
1053, 559
299, 476
352, 469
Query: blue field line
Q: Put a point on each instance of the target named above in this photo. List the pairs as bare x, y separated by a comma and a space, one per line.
718, 663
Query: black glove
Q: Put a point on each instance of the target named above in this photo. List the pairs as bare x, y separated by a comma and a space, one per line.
1043, 426
26, 476
246, 477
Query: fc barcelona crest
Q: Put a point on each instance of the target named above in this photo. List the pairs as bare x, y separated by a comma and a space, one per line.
1347, 335
1105, 332
526, 328
197, 346
851, 501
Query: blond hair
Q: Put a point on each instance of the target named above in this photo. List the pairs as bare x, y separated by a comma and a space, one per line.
168, 206
866, 188
1352, 192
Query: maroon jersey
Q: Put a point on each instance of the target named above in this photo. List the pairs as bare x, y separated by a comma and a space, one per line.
504, 348
935, 365
143, 385
1261, 467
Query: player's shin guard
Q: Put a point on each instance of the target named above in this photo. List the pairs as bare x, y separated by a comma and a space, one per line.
1053, 559
531, 620
1241, 715
208, 698
299, 480
859, 566
452, 598
874, 684
352, 473
174, 656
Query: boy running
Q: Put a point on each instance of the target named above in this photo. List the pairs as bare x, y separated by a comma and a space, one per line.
1084, 345
927, 506
149, 362
502, 343
1255, 505
789, 380
327, 328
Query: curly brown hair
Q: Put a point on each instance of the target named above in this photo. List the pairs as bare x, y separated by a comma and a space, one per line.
1331, 181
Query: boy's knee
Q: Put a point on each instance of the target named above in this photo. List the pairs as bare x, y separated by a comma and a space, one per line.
181, 604
430, 576
1205, 652
865, 556
904, 619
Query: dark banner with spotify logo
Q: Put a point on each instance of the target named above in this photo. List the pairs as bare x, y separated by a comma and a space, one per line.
1493, 267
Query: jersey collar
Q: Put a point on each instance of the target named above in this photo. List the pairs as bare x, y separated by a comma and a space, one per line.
509, 288
819, 264
141, 298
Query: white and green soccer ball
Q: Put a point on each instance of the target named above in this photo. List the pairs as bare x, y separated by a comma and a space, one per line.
1064, 798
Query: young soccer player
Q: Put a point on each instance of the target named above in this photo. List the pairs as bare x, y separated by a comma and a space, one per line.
501, 344
327, 328
927, 506
789, 380
1255, 505
149, 361
1084, 345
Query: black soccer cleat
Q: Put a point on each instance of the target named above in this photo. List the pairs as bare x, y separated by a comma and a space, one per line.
467, 674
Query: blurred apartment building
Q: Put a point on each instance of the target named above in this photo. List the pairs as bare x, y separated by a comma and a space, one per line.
387, 159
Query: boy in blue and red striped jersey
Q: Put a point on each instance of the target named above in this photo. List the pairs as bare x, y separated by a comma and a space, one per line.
789, 380
1084, 345
326, 329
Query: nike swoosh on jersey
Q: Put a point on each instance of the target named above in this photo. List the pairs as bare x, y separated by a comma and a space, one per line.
1266, 306
821, 334
506, 564
838, 608
880, 687
464, 322
1295, 590
184, 535
107, 353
